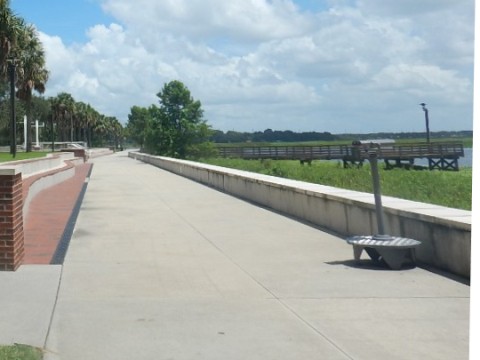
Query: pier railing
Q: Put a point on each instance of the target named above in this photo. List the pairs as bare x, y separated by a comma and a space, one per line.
444, 152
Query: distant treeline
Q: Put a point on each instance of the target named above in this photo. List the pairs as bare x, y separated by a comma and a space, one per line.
270, 135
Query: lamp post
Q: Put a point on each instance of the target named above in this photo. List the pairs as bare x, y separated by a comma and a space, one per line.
13, 123
393, 250
372, 157
53, 134
426, 121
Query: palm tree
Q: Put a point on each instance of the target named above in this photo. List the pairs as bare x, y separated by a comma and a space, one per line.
10, 27
85, 118
63, 107
92, 118
114, 131
100, 129
32, 73
80, 119
56, 111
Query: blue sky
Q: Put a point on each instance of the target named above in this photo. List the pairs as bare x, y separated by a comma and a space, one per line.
71, 19
322, 65
68, 19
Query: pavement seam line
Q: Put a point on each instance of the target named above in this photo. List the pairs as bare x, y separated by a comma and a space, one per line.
50, 323
275, 297
314, 329
75, 210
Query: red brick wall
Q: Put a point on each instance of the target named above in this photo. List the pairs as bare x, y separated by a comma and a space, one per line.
11, 222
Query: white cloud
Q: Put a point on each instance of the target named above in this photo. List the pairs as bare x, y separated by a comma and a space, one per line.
259, 64
60, 60
424, 80
244, 20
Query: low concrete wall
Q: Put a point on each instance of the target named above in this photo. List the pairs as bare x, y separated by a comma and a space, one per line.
38, 165
445, 233
97, 152
32, 186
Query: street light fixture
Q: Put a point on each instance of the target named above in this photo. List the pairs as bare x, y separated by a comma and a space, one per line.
426, 121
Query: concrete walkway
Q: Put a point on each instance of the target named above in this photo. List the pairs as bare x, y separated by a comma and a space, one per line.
160, 267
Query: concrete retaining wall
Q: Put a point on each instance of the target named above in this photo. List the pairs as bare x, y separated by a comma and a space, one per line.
38, 165
44, 181
445, 233
97, 152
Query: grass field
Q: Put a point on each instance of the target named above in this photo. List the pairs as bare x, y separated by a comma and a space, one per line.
20, 352
451, 189
4, 157
445, 188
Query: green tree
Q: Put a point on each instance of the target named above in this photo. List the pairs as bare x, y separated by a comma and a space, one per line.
177, 125
138, 120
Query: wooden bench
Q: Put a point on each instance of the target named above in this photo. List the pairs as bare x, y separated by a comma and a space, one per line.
394, 251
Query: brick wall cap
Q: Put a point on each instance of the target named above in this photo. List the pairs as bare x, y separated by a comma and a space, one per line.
10, 170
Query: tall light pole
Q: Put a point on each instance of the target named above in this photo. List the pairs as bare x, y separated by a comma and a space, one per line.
13, 123
426, 121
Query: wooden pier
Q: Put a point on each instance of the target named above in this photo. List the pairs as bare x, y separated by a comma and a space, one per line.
441, 156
